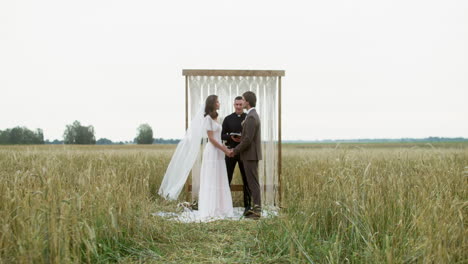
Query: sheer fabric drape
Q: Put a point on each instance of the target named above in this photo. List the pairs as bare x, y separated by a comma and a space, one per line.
184, 157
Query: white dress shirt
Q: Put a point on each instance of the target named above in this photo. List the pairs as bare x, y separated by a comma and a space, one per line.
248, 111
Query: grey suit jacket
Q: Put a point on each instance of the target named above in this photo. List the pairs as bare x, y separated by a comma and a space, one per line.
250, 147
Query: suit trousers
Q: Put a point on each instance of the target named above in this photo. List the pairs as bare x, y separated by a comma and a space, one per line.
251, 173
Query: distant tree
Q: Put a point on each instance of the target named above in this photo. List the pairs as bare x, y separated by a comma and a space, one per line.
145, 134
78, 134
21, 135
4, 137
39, 138
104, 141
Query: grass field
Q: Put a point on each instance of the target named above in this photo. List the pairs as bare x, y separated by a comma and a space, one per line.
356, 203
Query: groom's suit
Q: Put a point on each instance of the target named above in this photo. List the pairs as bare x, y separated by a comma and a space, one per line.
250, 152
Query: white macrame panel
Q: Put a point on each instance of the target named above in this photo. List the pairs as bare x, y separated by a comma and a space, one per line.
227, 88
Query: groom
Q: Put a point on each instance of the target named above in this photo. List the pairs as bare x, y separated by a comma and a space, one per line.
250, 152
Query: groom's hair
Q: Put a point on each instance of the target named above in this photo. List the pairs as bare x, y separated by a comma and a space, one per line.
251, 98
238, 98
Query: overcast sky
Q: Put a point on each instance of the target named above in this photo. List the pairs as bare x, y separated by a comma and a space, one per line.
354, 69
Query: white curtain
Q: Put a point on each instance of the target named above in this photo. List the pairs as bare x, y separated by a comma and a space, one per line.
227, 88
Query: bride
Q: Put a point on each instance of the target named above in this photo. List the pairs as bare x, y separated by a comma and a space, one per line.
214, 199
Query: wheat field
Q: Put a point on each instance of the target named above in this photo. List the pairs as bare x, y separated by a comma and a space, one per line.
346, 203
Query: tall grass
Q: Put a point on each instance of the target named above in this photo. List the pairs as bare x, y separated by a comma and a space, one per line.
346, 203
380, 205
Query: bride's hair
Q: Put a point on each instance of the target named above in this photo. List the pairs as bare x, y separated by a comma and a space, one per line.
210, 106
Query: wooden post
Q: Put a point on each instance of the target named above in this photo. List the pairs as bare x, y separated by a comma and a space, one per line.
187, 198
186, 102
279, 142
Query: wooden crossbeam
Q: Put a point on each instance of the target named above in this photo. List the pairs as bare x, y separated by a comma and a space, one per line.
234, 187
232, 73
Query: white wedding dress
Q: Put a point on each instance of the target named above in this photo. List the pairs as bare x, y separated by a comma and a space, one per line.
214, 199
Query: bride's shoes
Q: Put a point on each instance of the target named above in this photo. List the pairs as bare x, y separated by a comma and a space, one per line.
187, 205
184, 205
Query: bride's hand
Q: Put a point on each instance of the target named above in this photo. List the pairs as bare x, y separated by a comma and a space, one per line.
231, 153
227, 151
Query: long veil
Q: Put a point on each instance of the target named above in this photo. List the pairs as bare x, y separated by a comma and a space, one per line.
184, 157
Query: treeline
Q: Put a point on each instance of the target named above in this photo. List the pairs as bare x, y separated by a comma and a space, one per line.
383, 140
21, 135
106, 141
76, 133
101, 141
165, 141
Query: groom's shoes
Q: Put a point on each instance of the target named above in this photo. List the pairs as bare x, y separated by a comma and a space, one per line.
254, 213
247, 211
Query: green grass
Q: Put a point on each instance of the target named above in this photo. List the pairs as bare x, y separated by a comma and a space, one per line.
357, 203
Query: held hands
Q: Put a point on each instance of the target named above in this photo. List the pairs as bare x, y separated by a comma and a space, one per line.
229, 153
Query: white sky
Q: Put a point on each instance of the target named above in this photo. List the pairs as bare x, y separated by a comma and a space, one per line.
354, 69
